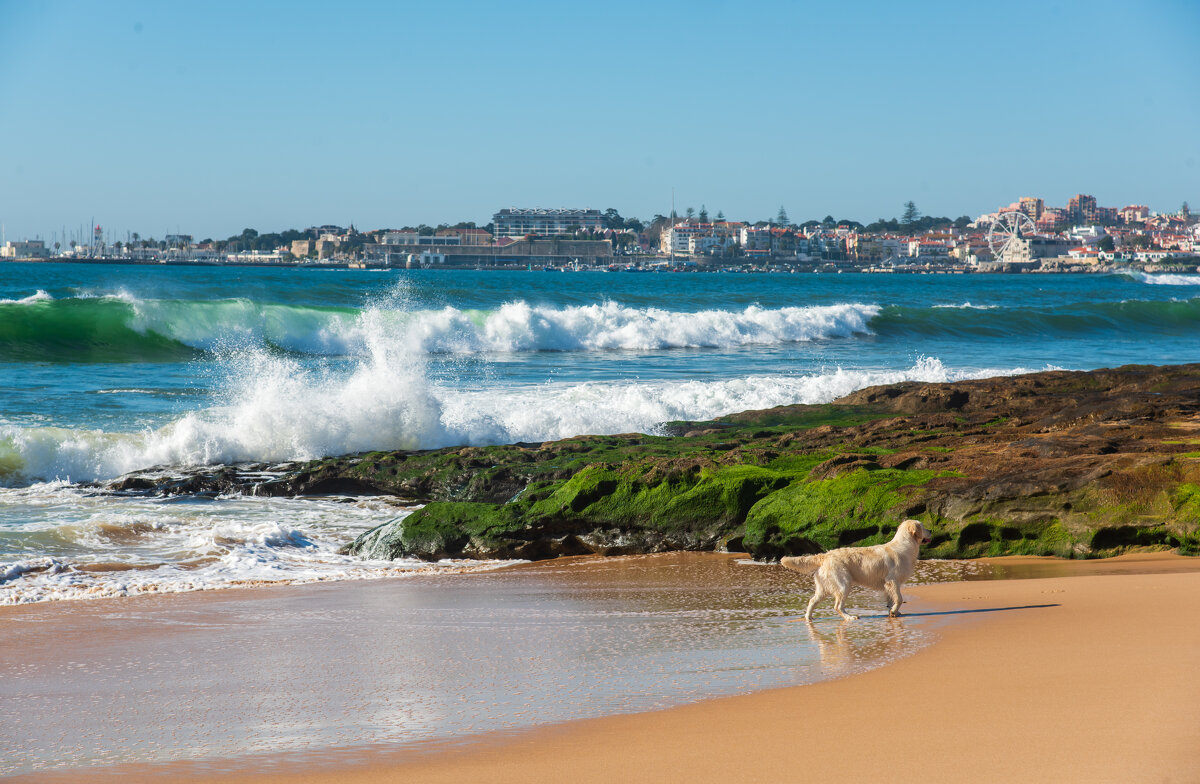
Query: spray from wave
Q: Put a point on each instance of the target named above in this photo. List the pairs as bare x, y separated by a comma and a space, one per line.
279, 411
41, 295
1166, 279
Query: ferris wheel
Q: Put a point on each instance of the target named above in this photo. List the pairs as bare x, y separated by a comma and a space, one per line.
1006, 230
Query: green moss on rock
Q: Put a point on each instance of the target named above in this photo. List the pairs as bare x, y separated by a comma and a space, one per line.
859, 507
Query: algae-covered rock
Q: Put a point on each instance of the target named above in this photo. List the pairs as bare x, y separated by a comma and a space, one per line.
859, 507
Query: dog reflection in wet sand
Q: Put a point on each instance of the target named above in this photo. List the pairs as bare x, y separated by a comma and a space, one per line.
847, 647
882, 567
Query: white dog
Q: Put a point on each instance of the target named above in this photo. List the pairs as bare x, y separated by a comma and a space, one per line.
883, 567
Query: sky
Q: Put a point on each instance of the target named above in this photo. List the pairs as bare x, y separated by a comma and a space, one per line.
207, 118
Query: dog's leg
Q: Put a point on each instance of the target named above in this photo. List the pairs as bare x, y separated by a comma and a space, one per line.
839, 602
817, 596
894, 598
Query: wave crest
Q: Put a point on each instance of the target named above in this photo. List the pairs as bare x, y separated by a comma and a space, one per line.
1167, 279
123, 327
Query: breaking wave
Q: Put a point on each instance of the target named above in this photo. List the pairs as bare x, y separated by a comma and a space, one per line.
125, 328
275, 410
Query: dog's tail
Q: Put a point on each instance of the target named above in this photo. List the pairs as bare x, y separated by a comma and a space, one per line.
805, 564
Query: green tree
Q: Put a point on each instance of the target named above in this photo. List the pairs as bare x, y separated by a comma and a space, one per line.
243, 241
1106, 244
911, 214
782, 217
720, 216
703, 214
690, 213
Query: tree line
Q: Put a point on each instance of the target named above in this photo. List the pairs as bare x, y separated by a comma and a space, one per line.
911, 221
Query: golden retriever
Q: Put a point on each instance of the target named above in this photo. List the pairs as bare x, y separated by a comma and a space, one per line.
883, 567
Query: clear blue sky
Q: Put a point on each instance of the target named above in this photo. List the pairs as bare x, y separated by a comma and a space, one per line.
211, 117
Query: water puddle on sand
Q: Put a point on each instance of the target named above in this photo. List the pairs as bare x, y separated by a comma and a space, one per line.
400, 663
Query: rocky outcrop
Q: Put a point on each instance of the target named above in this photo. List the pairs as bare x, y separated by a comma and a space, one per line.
1061, 463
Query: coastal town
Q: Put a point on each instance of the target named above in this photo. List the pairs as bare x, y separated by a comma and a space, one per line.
1024, 236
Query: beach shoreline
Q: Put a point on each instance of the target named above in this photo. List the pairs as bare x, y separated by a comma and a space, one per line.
1089, 677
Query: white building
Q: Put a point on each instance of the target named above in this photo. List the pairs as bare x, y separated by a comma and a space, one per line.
30, 249
699, 245
756, 237
516, 222
927, 249
678, 238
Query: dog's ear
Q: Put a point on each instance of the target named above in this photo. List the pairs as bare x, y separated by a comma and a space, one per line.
914, 528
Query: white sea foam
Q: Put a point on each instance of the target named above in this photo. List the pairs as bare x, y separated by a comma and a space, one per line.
553, 411
1164, 279
968, 306
100, 545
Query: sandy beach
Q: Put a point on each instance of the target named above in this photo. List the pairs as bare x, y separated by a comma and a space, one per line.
1088, 677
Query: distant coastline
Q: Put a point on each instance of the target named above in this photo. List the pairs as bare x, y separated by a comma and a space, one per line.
650, 263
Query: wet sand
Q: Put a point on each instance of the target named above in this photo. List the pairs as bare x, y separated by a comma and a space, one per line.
396, 664
1093, 677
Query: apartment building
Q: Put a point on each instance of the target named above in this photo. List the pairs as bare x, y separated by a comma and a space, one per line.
1135, 213
517, 222
679, 237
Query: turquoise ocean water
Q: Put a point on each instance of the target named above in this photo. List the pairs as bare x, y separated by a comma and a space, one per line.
106, 369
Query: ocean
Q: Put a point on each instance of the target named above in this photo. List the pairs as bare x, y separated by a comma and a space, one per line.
107, 369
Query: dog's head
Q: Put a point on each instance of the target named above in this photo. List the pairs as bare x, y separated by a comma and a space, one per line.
918, 532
